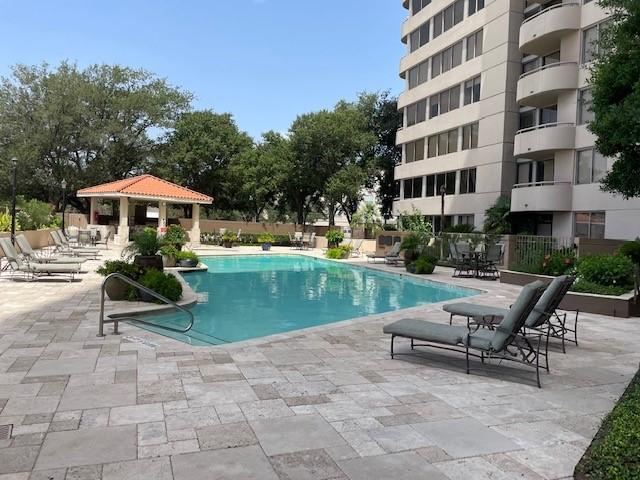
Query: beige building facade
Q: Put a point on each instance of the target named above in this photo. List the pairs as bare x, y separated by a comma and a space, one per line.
496, 103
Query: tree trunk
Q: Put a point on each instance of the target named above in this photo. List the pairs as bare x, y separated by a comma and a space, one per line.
332, 215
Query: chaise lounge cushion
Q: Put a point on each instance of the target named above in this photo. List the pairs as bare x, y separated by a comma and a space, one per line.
474, 310
427, 331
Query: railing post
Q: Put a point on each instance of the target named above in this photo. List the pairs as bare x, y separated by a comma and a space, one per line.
101, 319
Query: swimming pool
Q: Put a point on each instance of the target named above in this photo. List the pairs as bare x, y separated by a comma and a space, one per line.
244, 297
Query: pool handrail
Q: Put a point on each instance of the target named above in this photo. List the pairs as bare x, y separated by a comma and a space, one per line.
148, 291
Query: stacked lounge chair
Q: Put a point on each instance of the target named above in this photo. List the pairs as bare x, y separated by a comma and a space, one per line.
544, 318
62, 246
392, 257
507, 341
30, 254
32, 270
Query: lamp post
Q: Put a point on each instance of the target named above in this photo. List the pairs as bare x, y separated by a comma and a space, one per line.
63, 184
443, 191
14, 164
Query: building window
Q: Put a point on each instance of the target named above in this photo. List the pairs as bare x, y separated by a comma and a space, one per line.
431, 186
589, 224
591, 166
470, 136
417, 5
444, 102
446, 60
447, 18
590, 41
396, 189
536, 62
416, 112
466, 219
531, 117
472, 90
446, 180
413, 187
467, 181
474, 45
419, 37
585, 115
535, 172
418, 74
414, 151
442, 143
475, 5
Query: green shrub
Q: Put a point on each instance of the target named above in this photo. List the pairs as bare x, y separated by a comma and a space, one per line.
145, 243
584, 286
614, 454
169, 250
5, 221
187, 255
229, 236
176, 236
631, 249
334, 237
120, 266
165, 284
266, 238
34, 214
338, 252
558, 263
606, 270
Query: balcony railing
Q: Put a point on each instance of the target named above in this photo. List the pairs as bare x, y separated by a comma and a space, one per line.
552, 7
545, 125
539, 184
546, 67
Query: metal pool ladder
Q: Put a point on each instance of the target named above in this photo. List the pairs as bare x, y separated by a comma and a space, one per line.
148, 291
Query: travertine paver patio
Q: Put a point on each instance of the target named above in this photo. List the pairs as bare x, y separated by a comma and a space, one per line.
327, 403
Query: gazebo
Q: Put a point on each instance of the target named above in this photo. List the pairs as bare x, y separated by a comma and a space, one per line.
145, 188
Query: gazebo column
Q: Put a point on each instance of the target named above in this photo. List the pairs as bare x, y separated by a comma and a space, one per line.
194, 233
93, 211
162, 215
123, 227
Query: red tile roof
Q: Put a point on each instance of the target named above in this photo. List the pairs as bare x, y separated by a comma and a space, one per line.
147, 186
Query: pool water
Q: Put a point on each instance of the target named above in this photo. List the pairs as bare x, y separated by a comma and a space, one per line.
244, 297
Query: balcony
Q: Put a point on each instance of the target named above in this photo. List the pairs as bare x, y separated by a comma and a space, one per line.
541, 33
541, 86
541, 197
540, 141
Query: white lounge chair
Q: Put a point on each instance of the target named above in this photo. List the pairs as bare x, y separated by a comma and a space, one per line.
34, 270
30, 254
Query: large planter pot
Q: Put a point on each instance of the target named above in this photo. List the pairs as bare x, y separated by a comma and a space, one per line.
116, 289
187, 263
168, 261
227, 244
149, 261
266, 247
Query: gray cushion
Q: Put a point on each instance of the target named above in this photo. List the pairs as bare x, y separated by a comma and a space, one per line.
427, 331
548, 301
473, 310
52, 267
480, 339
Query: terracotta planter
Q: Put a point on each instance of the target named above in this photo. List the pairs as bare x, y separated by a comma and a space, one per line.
149, 261
168, 261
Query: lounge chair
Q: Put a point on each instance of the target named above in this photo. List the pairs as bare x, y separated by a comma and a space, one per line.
461, 263
488, 265
33, 270
30, 254
544, 318
62, 246
355, 248
506, 342
392, 256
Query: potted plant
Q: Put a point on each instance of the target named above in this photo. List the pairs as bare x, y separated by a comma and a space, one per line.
175, 236
116, 289
412, 245
187, 259
334, 238
228, 238
266, 239
163, 283
169, 254
144, 249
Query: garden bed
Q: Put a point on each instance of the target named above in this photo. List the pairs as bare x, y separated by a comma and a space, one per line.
614, 453
615, 306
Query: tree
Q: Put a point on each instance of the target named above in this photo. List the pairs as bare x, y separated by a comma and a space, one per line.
497, 217
383, 120
615, 80
345, 189
199, 151
85, 126
368, 218
258, 174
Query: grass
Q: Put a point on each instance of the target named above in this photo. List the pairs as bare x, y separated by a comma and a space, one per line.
614, 454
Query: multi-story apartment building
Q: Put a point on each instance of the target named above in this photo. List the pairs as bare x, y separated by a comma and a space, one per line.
496, 103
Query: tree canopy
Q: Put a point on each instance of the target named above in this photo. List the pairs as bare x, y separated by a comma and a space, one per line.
615, 80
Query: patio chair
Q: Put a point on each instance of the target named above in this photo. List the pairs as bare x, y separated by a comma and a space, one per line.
62, 246
461, 263
30, 254
355, 248
506, 342
102, 241
297, 240
544, 317
488, 265
33, 270
393, 253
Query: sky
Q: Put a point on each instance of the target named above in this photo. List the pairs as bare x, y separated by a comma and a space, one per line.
264, 61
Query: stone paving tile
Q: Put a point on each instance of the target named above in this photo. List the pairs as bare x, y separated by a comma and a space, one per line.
17, 459
228, 435
28, 405
243, 463
151, 412
292, 434
308, 465
547, 462
98, 396
151, 469
87, 447
399, 466
265, 409
91, 472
